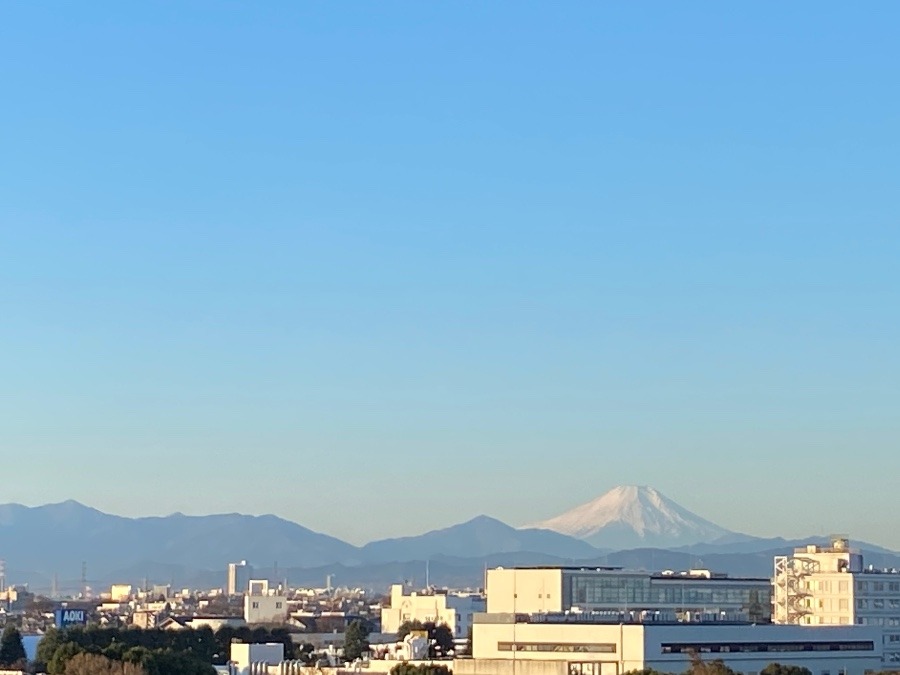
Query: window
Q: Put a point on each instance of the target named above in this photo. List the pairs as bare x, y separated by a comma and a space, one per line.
843, 587
862, 604
576, 647
277, 605
862, 586
851, 645
844, 604
878, 587
878, 604
255, 605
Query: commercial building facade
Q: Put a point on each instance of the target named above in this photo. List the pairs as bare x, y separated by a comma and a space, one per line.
579, 645
548, 590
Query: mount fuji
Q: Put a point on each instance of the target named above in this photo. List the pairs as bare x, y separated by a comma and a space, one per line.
630, 516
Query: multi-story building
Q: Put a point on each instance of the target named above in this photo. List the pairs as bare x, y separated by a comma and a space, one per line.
442, 607
264, 605
829, 585
588, 644
239, 575
548, 590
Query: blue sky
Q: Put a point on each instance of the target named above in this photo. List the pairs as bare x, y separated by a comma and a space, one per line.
440, 259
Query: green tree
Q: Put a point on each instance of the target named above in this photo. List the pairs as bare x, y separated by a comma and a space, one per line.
779, 669
12, 652
356, 640
441, 640
46, 648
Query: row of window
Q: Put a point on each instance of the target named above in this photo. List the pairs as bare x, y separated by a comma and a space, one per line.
613, 590
878, 620
878, 586
704, 647
878, 603
577, 647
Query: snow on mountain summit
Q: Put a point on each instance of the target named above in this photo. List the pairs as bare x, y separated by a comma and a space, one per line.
629, 516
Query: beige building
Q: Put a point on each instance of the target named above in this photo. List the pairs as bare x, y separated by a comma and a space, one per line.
548, 590
120, 592
263, 604
442, 607
829, 586
581, 645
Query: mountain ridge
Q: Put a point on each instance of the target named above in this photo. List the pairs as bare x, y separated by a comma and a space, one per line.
634, 515
55, 538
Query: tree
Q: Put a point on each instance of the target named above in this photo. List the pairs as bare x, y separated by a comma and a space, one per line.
421, 669
778, 669
12, 651
95, 664
407, 627
46, 648
701, 667
441, 640
356, 641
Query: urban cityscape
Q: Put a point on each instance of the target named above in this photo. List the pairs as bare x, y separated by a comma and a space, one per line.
820, 608
418, 337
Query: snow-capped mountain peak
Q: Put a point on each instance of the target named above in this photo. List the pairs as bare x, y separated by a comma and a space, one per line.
631, 515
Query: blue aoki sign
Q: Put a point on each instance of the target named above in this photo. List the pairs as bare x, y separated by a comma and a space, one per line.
70, 617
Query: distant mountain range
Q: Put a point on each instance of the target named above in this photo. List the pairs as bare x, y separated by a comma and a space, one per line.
632, 527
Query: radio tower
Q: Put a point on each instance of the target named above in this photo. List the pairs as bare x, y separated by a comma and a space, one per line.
84, 586
2, 576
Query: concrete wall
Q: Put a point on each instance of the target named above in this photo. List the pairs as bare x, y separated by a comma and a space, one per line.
265, 609
526, 591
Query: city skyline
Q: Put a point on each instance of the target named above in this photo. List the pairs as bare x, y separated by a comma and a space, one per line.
452, 261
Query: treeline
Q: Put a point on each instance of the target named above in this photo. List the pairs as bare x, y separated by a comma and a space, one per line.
718, 667
185, 651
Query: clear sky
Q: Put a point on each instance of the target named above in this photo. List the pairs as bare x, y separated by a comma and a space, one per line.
381, 267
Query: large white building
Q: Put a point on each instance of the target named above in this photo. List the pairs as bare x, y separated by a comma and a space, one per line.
507, 644
264, 605
829, 585
536, 590
442, 607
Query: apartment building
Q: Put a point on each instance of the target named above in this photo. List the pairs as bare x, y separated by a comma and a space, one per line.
830, 586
